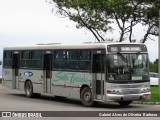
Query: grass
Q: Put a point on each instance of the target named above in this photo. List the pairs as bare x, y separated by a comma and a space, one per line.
154, 95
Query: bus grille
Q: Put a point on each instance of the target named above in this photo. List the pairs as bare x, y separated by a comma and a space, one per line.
130, 91
130, 86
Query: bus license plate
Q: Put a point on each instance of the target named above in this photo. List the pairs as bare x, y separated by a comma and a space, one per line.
130, 97
146, 96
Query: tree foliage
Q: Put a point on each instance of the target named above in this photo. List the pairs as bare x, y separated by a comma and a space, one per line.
99, 15
154, 66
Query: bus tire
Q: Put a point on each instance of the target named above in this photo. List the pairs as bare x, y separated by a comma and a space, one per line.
124, 103
29, 89
86, 97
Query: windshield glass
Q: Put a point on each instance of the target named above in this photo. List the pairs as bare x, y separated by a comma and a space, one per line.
127, 67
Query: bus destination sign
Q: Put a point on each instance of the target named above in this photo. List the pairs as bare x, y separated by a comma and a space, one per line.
130, 49
127, 48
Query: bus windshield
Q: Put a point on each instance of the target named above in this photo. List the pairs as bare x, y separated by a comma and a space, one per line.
127, 67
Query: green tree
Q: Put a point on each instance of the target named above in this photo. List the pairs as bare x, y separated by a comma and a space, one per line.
156, 61
97, 16
154, 66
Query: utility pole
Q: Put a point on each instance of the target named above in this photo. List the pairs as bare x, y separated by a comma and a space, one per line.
159, 58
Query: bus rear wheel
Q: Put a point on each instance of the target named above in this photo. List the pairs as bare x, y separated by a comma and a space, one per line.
29, 89
86, 97
124, 103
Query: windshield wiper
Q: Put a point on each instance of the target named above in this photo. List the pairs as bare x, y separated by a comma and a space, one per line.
134, 59
122, 57
137, 55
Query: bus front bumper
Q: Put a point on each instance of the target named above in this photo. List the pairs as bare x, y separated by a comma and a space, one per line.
127, 97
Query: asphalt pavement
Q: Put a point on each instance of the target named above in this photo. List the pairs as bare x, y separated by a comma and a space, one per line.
14, 100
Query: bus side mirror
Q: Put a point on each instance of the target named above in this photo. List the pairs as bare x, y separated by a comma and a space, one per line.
0, 62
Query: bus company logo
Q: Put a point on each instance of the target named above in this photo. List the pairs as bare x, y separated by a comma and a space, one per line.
71, 77
28, 73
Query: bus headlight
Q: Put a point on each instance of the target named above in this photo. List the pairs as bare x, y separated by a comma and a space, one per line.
114, 91
143, 90
146, 88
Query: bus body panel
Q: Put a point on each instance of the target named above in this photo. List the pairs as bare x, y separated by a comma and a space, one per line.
112, 71
68, 84
73, 93
7, 76
34, 76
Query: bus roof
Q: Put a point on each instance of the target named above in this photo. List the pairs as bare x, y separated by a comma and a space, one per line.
101, 45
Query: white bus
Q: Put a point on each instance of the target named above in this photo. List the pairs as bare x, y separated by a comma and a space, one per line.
95, 72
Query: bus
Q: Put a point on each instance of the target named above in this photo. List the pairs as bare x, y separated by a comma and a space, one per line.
91, 72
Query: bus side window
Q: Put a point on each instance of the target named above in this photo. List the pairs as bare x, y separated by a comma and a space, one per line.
59, 60
85, 60
25, 59
72, 60
7, 62
36, 57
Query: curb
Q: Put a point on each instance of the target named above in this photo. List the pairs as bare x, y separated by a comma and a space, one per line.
146, 103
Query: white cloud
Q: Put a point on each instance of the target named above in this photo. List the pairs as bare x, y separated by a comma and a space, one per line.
32, 20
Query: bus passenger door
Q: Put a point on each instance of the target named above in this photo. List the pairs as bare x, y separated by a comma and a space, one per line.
47, 73
15, 72
98, 76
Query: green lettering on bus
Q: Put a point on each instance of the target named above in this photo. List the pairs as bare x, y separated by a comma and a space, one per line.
70, 77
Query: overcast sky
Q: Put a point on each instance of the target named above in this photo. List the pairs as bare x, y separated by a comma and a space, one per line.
28, 22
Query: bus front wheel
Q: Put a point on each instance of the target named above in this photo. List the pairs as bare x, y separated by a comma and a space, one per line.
29, 89
124, 103
86, 97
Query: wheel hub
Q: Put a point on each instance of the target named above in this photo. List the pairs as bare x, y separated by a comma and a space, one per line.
87, 97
